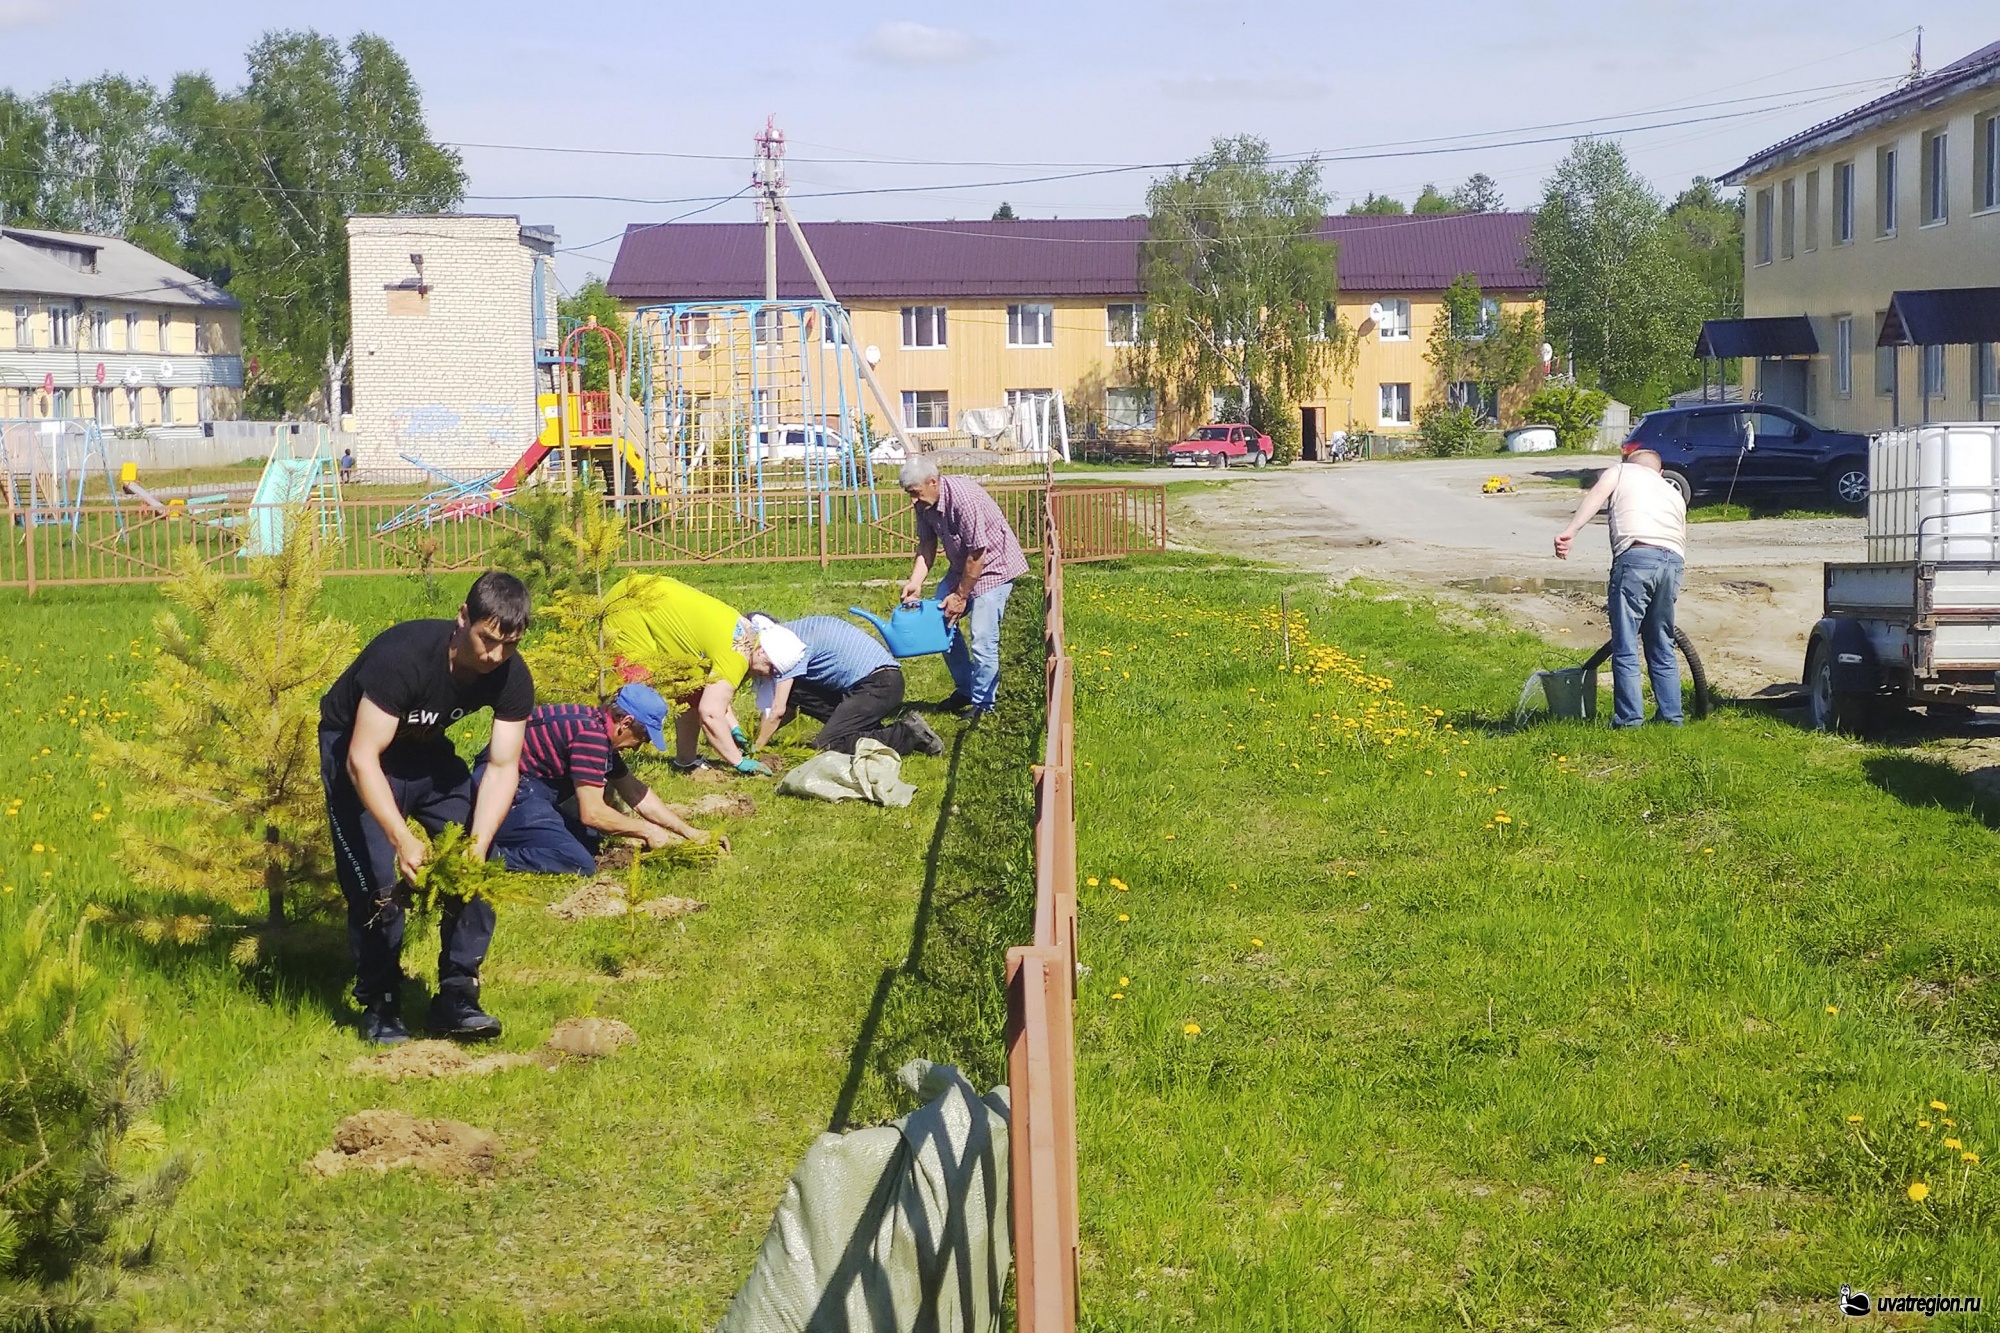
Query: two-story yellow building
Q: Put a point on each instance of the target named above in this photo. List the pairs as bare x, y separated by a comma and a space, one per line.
966, 315
1871, 288
96, 328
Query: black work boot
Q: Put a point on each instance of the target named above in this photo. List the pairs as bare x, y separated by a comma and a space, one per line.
455, 1012
919, 729
380, 1024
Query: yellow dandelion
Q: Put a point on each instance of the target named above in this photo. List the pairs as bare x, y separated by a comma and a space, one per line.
1118, 995
1092, 881
1124, 981
1124, 916
1969, 1158
1833, 1009
1598, 1160
1939, 1106
1953, 1144
37, 847
1854, 1120
1353, 874
1923, 1124
1168, 836
1943, 1119
1708, 851
1683, 1167
1192, 1029
1461, 772
1119, 884
1256, 943
1918, 1191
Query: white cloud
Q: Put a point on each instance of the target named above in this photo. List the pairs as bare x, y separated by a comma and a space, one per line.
906, 43
1274, 86
24, 13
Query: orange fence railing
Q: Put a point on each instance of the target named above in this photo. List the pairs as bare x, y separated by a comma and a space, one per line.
1041, 990
136, 541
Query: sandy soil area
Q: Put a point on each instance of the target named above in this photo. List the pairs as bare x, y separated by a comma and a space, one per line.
1751, 595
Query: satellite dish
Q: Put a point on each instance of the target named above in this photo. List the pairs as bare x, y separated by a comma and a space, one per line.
1375, 312
132, 377
166, 371
873, 353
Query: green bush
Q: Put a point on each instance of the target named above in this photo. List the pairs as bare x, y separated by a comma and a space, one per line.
1574, 411
1449, 432
1283, 428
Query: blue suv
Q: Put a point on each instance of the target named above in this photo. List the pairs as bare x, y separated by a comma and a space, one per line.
1746, 448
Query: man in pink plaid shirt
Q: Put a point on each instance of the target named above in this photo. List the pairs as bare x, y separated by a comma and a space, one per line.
982, 557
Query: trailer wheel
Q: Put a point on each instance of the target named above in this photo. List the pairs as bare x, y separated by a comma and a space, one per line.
1836, 710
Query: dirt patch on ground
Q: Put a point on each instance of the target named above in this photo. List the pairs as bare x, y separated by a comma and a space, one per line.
432, 1059
586, 1038
717, 805
384, 1141
605, 897
535, 976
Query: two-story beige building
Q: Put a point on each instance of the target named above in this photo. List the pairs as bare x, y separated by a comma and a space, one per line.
1871, 289
93, 327
982, 315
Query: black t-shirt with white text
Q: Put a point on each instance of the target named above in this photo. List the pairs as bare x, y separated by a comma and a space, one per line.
406, 671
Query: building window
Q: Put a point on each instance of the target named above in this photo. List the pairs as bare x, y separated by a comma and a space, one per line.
926, 409
204, 403
923, 326
24, 332
1885, 190
1395, 405
1031, 325
1763, 221
62, 326
1123, 323
1032, 399
1130, 409
1843, 356
1934, 371
833, 329
768, 327
1788, 219
1936, 181
131, 404
59, 403
1225, 404
166, 406
1395, 325
24, 402
166, 335
1885, 359
692, 332
132, 336
100, 405
1988, 357
1812, 211
1986, 147
98, 330
1843, 203
201, 336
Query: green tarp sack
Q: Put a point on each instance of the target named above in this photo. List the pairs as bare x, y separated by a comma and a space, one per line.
903, 1228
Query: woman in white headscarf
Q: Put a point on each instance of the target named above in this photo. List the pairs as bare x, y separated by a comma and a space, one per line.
828, 669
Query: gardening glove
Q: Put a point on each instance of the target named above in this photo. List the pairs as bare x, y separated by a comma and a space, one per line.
751, 768
740, 736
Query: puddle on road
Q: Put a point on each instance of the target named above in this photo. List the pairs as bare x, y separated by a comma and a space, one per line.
1530, 584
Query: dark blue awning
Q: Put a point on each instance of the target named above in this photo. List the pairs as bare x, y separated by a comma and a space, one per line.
1785, 335
1942, 317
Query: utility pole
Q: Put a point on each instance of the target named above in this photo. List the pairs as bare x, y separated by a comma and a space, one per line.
769, 179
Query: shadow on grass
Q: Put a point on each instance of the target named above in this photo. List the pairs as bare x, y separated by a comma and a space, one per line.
946, 1001
1932, 784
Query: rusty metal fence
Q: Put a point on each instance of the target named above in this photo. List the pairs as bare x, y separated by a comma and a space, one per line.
134, 542
1041, 985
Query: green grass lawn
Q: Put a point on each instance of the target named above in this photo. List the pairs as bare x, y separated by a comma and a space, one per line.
1499, 1028
839, 942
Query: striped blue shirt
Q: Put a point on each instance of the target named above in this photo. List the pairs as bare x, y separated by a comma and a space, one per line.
839, 655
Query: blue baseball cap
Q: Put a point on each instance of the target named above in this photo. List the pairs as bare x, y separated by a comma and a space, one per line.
645, 706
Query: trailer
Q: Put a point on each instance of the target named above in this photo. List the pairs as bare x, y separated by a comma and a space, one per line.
1918, 622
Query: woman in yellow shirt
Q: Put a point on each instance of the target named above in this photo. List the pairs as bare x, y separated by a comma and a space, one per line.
654, 619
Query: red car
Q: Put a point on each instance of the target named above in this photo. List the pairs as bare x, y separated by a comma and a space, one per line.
1221, 446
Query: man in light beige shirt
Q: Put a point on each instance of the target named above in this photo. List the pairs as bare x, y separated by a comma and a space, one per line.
1648, 547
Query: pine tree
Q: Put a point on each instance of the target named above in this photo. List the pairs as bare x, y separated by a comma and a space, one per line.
231, 756
73, 1092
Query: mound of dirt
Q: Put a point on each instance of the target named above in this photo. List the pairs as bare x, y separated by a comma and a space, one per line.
717, 804
619, 857
600, 897
588, 1037
666, 907
384, 1141
432, 1059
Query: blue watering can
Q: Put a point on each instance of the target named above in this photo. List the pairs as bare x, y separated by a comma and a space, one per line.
911, 631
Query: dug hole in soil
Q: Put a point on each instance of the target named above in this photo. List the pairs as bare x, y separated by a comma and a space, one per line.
605, 897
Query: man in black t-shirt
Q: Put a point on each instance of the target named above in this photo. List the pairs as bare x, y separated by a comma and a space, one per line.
385, 758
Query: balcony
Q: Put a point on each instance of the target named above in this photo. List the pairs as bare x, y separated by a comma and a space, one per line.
26, 368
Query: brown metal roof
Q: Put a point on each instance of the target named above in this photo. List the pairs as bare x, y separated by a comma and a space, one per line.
1044, 257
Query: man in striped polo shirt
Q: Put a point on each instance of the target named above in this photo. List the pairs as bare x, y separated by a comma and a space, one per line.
828, 669
955, 515
573, 750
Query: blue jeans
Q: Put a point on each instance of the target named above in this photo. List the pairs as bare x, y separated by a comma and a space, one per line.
1644, 582
537, 838
975, 665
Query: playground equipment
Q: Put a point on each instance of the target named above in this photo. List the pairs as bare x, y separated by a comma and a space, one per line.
301, 471
46, 465
741, 398
600, 425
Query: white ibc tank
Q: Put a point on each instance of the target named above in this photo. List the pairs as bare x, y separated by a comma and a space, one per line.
1934, 493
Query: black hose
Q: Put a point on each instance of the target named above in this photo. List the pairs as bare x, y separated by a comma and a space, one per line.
1696, 671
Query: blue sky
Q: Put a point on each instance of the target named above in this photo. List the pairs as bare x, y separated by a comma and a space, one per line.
917, 85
